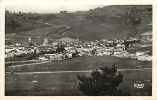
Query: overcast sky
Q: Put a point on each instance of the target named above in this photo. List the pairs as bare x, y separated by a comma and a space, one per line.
47, 6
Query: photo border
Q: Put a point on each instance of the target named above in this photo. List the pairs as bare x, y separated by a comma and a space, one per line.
84, 2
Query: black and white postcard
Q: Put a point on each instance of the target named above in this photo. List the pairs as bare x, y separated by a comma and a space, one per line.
67, 49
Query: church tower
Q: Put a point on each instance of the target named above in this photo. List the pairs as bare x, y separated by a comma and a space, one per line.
45, 42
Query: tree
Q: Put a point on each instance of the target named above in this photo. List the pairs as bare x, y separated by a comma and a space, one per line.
60, 48
102, 82
133, 18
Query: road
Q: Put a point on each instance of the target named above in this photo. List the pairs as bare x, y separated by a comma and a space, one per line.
21, 65
81, 71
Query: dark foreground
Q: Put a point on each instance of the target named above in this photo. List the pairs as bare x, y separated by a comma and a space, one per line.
59, 78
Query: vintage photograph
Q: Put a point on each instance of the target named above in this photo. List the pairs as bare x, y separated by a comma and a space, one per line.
78, 50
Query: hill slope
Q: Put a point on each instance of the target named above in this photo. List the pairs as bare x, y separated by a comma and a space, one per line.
108, 22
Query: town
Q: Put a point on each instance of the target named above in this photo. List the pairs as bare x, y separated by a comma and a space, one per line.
67, 48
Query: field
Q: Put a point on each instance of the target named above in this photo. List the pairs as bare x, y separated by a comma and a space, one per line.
59, 78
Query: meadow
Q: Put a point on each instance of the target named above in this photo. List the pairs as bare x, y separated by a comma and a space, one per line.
60, 78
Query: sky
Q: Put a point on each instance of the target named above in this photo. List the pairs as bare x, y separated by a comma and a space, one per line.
47, 6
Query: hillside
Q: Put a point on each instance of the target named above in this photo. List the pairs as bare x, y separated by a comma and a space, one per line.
109, 22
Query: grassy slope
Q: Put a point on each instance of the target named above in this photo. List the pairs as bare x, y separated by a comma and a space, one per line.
81, 63
107, 24
66, 83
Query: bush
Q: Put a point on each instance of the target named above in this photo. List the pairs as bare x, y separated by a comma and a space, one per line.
102, 82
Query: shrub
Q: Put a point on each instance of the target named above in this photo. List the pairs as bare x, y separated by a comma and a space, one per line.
102, 81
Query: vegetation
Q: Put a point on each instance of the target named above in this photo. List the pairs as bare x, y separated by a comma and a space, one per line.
109, 22
103, 81
60, 49
18, 22
66, 83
